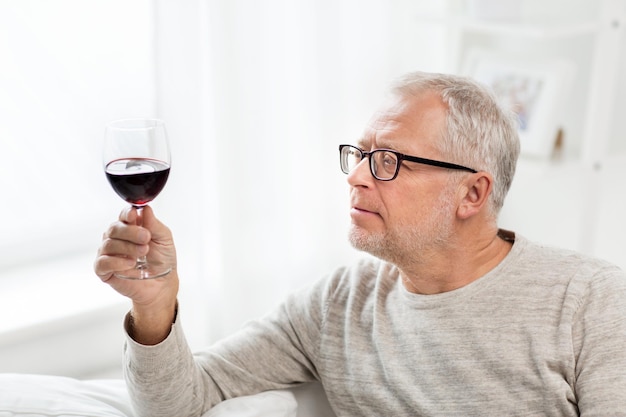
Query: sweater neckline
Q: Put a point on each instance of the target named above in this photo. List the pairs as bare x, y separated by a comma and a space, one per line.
467, 291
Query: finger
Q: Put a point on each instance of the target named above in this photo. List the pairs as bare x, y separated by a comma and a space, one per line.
125, 248
105, 266
128, 232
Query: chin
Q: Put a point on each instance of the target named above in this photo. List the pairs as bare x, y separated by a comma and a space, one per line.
372, 243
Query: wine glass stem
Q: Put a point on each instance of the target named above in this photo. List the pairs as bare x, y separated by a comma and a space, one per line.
142, 261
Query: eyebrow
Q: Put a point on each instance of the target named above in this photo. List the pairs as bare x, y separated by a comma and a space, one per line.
363, 144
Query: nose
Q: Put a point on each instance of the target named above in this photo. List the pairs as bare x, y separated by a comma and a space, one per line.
361, 174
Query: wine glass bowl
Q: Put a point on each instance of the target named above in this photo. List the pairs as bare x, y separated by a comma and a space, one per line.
137, 180
136, 160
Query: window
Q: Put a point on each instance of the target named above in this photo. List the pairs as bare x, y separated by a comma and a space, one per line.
61, 80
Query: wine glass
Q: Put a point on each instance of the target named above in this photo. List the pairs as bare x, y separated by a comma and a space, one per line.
136, 161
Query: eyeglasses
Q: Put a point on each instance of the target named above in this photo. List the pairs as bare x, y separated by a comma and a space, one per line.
385, 163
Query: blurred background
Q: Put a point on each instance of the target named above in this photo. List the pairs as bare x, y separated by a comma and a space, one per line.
256, 97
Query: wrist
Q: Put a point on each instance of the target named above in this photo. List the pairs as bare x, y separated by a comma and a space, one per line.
149, 326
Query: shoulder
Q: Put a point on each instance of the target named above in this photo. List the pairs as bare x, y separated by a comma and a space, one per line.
582, 275
560, 260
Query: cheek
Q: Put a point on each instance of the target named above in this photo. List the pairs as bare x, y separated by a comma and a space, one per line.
405, 206
417, 199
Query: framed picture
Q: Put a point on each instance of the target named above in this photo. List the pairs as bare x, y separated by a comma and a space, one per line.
534, 90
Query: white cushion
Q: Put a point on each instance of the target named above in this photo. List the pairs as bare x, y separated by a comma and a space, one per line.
278, 403
307, 400
24, 395
42, 396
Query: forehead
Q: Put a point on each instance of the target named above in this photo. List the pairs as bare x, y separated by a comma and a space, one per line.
406, 124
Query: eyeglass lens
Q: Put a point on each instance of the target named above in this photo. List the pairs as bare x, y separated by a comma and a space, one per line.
383, 164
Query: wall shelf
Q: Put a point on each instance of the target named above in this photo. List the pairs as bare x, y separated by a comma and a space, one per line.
557, 201
536, 30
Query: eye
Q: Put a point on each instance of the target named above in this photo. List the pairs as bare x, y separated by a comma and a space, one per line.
388, 162
354, 155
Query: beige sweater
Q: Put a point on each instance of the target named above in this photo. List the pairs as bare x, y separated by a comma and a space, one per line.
543, 334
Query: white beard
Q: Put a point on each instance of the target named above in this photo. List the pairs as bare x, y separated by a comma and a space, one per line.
409, 242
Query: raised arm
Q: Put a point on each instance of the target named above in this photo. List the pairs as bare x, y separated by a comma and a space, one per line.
163, 377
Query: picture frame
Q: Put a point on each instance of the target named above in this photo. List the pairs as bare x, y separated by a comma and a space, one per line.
536, 90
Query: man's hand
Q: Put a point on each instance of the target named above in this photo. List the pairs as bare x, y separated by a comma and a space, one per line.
154, 300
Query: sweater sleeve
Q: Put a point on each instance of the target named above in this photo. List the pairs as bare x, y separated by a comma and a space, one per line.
162, 380
274, 352
599, 337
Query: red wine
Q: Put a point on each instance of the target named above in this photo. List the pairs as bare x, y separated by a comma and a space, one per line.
137, 180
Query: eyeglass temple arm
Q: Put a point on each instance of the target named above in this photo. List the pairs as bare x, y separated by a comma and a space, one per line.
440, 164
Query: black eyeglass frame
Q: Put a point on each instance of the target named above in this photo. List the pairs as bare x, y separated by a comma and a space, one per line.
400, 157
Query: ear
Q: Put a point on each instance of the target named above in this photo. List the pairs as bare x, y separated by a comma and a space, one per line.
476, 191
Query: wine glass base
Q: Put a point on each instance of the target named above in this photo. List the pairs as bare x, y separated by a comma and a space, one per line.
144, 272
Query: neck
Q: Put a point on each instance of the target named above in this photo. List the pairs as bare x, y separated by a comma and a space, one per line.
455, 266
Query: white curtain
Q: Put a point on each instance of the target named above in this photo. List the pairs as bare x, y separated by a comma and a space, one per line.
64, 72
258, 95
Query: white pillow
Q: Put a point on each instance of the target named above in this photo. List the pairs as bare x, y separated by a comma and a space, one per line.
26, 395
23, 395
278, 403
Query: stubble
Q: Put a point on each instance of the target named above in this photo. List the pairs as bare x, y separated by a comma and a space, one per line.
411, 240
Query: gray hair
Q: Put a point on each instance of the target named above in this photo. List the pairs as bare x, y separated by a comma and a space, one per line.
480, 132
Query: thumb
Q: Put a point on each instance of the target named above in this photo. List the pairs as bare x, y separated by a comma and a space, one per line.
159, 231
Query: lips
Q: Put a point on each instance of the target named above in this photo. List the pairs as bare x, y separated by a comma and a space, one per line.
356, 208
362, 208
